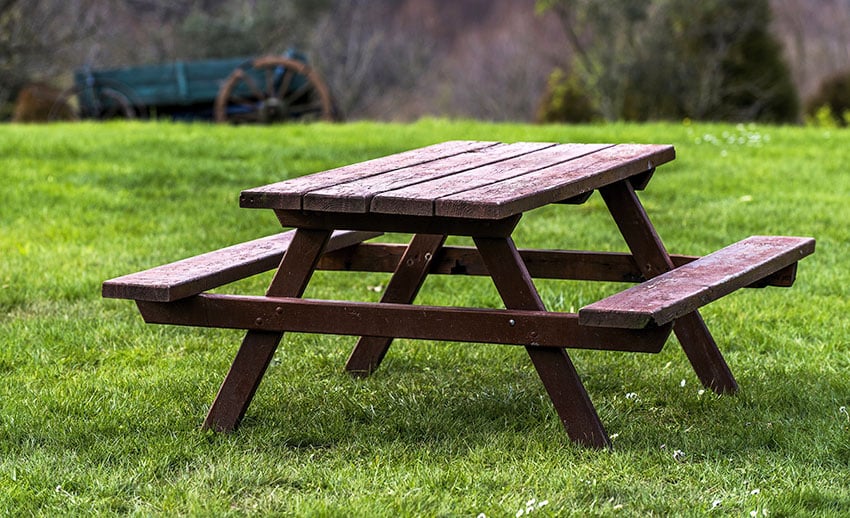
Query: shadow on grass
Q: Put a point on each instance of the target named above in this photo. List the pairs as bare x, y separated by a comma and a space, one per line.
788, 412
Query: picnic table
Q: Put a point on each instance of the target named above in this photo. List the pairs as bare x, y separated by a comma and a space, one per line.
479, 190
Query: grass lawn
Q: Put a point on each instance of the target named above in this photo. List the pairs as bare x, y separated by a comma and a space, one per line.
100, 413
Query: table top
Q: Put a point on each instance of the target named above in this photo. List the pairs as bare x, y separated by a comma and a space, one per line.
464, 179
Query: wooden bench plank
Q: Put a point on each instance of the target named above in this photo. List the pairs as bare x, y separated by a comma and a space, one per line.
196, 274
682, 290
356, 196
288, 194
556, 183
418, 199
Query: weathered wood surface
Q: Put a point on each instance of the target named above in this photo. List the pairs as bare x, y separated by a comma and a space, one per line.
206, 271
497, 326
678, 292
469, 180
421, 197
576, 265
289, 193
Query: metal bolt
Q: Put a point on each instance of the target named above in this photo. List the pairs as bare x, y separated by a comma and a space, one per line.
259, 321
278, 310
511, 322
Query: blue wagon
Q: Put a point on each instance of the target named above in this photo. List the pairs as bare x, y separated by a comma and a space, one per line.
262, 90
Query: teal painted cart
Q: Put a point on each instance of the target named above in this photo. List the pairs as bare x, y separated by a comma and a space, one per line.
268, 89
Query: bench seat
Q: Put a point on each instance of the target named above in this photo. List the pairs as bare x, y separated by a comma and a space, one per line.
682, 290
203, 272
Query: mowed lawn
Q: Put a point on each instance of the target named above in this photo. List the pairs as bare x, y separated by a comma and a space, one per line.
101, 414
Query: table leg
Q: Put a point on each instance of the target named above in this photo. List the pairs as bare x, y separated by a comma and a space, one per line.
258, 347
652, 258
405, 283
554, 366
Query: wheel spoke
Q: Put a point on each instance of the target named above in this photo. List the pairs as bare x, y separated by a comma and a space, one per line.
253, 86
284, 83
297, 94
269, 82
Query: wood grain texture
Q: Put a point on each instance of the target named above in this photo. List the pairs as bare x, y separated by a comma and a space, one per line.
465, 179
419, 198
474, 325
678, 292
288, 194
196, 274
356, 196
553, 184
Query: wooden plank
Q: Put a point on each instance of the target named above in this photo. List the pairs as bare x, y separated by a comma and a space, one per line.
678, 292
356, 196
575, 265
206, 271
495, 326
418, 199
556, 183
287, 194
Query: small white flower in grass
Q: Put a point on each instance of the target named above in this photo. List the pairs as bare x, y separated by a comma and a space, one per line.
542, 503
679, 455
754, 513
481, 515
716, 503
376, 289
755, 491
612, 437
682, 383
520, 513
631, 395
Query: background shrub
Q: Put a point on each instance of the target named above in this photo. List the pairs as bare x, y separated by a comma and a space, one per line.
832, 99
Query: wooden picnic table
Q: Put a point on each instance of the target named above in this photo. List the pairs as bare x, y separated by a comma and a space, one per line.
480, 190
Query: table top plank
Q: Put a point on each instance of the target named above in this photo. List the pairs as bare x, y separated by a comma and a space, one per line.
462, 179
554, 184
418, 199
289, 193
356, 196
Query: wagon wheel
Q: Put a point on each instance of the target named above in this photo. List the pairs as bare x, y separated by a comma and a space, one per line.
100, 101
273, 89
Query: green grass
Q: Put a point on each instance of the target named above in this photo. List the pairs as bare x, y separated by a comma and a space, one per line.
100, 413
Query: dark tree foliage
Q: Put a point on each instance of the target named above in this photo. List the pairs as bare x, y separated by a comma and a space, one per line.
662, 59
834, 94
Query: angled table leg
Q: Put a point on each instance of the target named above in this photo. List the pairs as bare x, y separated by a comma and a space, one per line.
652, 258
259, 347
554, 366
405, 283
